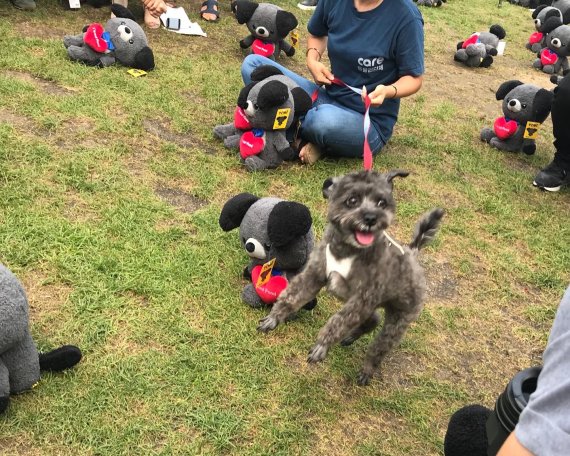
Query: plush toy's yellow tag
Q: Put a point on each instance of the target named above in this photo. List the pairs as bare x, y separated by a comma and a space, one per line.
531, 130
281, 118
265, 273
136, 73
295, 38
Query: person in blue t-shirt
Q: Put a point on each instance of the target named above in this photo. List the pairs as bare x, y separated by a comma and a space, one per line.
376, 45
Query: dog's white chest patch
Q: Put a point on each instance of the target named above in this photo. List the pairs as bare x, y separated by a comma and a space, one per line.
342, 266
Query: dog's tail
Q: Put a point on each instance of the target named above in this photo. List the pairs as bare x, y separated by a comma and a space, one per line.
426, 229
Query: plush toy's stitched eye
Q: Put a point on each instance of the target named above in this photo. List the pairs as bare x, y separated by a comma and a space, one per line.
524, 105
351, 201
381, 202
267, 247
131, 41
256, 106
123, 23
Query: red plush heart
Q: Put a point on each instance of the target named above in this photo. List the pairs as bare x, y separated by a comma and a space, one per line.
473, 39
94, 39
251, 144
505, 128
270, 291
536, 37
547, 57
261, 48
241, 122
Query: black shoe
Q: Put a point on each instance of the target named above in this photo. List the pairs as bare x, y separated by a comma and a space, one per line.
60, 359
308, 4
552, 178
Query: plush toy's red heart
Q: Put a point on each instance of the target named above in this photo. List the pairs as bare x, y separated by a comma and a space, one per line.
94, 39
473, 39
241, 122
251, 143
270, 291
505, 128
547, 57
261, 48
536, 37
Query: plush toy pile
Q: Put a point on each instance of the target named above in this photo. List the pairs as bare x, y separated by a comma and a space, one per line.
546, 19
478, 50
525, 107
20, 363
121, 41
268, 26
266, 109
277, 236
553, 59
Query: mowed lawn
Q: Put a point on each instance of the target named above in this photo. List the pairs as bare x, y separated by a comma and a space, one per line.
110, 192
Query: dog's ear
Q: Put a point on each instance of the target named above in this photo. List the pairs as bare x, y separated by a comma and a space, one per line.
243, 10
506, 87
390, 175
328, 186
287, 221
235, 209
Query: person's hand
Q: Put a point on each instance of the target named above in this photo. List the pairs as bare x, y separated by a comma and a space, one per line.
378, 95
156, 7
321, 74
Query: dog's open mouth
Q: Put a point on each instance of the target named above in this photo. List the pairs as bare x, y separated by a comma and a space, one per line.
363, 237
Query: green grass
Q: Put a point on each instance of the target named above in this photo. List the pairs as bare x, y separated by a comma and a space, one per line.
151, 291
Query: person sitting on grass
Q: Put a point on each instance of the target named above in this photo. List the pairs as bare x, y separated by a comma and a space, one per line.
374, 44
152, 11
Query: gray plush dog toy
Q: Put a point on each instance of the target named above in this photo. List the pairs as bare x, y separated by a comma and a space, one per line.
20, 363
270, 229
525, 107
359, 263
121, 41
268, 25
553, 59
267, 107
478, 50
546, 19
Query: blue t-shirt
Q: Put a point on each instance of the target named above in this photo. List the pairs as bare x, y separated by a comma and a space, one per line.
371, 48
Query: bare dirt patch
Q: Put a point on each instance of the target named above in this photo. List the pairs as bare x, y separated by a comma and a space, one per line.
180, 199
39, 30
442, 282
22, 123
45, 85
163, 131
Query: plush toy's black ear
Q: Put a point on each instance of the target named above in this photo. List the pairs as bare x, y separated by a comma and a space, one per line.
243, 93
328, 186
121, 11
466, 434
302, 101
390, 175
264, 71
541, 105
566, 17
287, 221
537, 10
243, 10
285, 22
498, 31
552, 21
506, 87
144, 59
273, 93
235, 209
460, 45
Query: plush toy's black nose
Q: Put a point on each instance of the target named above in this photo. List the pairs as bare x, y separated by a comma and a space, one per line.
127, 30
512, 103
370, 219
250, 247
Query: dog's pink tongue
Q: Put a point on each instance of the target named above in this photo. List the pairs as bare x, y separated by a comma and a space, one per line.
364, 238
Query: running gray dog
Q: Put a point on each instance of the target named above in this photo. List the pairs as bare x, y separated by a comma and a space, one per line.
362, 265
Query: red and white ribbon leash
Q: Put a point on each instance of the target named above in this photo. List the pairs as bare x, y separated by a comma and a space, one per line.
367, 152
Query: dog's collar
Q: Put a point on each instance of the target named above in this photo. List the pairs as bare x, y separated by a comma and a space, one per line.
394, 243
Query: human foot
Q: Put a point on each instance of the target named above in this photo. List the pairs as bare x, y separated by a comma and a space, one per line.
309, 154
209, 11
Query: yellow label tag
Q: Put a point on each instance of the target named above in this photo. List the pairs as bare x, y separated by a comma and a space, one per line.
265, 273
136, 73
281, 118
531, 130
295, 39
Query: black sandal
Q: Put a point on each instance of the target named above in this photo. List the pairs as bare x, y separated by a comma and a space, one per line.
210, 4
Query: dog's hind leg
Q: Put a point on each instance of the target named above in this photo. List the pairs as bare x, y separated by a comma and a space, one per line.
366, 327
395, 326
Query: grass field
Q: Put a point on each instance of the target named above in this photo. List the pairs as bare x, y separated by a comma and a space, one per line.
110, 193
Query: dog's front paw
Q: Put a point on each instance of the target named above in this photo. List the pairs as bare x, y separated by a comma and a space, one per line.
317, 353
267, 324
364, 378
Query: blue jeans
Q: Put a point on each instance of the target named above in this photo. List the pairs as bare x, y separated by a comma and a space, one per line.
337, 130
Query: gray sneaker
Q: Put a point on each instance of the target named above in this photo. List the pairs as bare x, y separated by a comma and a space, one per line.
308, 4
28, 5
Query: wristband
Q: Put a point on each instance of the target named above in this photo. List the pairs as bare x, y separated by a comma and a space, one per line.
395, 93
314, 49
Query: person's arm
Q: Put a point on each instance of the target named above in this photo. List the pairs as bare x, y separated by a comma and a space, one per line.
316, 46
403, 87
512, 447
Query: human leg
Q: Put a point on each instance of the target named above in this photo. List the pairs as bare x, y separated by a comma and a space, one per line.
557, 173
338, 132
